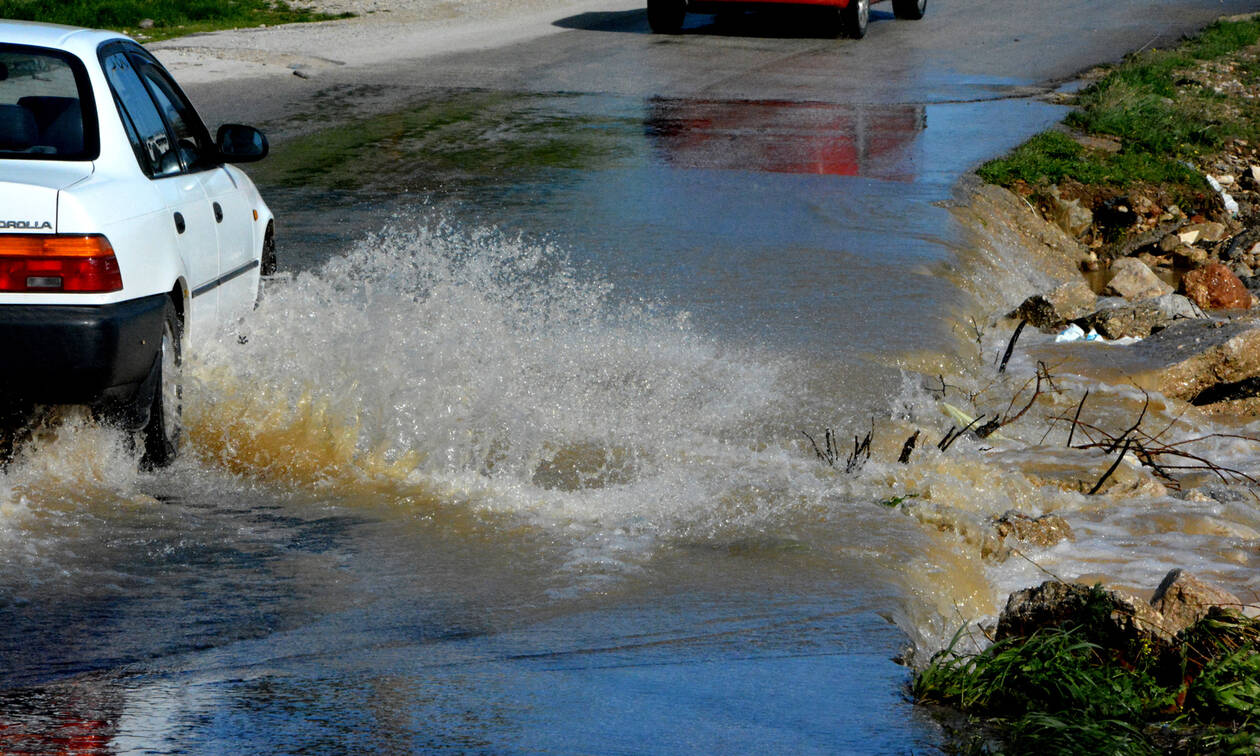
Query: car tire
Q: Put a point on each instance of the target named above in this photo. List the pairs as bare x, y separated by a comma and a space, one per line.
161, 434
855, 17
268, 264
666, 16
909, 9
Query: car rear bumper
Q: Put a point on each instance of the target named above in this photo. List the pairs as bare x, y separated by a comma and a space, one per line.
78, 354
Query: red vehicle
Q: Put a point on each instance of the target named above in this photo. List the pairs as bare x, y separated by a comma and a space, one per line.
666, 16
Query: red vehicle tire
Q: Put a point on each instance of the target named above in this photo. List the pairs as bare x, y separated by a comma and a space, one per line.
666, 16
909, 9
855, 16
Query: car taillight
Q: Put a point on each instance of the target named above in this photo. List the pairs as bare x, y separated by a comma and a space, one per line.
39, 263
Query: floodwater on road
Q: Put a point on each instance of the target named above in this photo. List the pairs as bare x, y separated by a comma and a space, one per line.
513, 458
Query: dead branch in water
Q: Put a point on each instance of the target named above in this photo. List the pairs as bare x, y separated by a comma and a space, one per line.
1010, 345
830, 451
908, 448
1165, 459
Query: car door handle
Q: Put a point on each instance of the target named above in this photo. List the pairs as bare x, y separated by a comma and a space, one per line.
218, 213
179, 222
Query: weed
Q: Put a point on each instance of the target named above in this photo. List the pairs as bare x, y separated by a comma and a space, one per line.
1060, 690
1153, 105
170, 17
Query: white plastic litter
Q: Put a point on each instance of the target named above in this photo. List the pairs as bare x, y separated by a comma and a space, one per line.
1231, 205
1075, 333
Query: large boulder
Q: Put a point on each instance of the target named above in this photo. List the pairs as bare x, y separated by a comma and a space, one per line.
1215, 287
1053, 309
1131, 279
1115, 620
1111, 618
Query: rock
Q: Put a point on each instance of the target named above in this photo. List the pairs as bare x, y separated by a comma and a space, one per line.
1255, 174
1169, 243
1052, 310
1181, 361
1176, 307
1103, 144
1112, 619
147, 23
1189, 257
1184, 599
1208, 231
1046, 530
1070, 215
1138, 320
1133, 280
1215, 287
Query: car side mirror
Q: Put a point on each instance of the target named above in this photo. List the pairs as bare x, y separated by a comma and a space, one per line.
241, 144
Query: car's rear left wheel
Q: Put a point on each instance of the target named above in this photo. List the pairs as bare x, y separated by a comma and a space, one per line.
666, 16
856, 16
161, 434
910, 9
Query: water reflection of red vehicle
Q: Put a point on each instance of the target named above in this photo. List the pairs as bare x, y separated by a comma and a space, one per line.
875, 141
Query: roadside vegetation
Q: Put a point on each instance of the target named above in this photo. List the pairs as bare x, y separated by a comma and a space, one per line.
170, 18
1066, 690
1150, 119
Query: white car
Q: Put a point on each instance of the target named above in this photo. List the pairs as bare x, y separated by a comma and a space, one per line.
125, 231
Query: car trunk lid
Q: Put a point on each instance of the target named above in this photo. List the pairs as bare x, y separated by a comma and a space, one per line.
28, 193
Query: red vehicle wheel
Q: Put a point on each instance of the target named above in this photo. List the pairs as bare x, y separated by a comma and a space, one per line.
666, 16
856, 15
911, 9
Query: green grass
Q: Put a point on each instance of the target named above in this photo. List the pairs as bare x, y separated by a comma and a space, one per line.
1059, 691
170, 17
1161, 118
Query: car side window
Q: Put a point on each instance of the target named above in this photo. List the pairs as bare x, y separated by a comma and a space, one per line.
191, 141
153, 143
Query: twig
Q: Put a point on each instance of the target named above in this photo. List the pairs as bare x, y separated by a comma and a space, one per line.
1010, 345
908, 448
1111, 469
1076, 418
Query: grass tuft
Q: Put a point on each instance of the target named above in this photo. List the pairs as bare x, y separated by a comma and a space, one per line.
1059, 692
170, 17
1155, 108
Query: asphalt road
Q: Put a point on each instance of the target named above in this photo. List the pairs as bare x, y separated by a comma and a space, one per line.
961, 51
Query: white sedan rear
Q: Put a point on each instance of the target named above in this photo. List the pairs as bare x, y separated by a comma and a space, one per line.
126, 232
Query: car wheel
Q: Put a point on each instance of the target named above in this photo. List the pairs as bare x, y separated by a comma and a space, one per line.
666, 16
161, 433
268, 267
911, 9
856, 15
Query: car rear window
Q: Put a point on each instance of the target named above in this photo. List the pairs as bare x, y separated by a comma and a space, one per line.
45, 107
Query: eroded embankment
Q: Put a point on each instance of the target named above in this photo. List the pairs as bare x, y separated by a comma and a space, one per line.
1063, 455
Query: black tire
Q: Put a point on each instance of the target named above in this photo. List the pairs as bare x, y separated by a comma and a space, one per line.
855, 17
912, 10
268, 264
666, 16
161, 434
